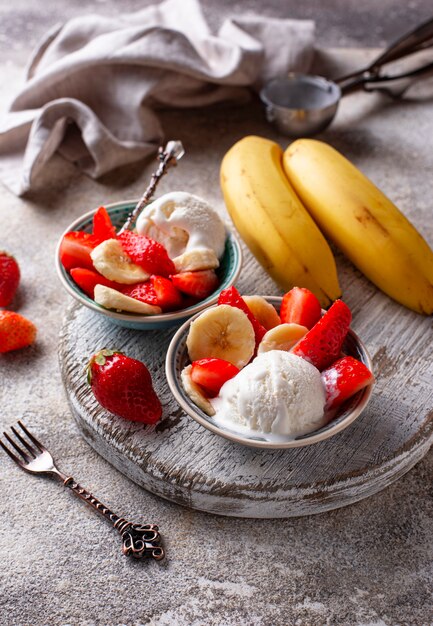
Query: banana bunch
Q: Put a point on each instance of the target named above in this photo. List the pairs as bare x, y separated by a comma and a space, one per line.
272, 221
362, 222
273, 199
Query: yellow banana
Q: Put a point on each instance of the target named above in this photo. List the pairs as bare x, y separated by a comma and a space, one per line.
272, 221
363, 222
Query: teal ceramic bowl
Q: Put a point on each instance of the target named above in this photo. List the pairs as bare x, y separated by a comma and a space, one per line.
177, 358
228, 272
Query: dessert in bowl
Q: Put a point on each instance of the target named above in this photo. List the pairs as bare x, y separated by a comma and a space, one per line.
186, 261
278, 390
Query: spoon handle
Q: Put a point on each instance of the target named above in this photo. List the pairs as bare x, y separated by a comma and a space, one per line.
413, 41
168, 156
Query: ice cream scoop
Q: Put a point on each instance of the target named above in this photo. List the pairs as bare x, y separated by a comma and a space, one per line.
301, 105
278, 393
190, 229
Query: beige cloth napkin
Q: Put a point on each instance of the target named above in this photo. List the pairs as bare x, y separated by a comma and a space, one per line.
104, 77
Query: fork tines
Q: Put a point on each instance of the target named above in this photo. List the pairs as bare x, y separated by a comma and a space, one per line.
29, 452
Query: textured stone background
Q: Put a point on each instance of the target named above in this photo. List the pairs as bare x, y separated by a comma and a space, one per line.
348, 23
366, 565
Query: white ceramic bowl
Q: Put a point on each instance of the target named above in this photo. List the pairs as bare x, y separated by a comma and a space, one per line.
177, 357
227, 272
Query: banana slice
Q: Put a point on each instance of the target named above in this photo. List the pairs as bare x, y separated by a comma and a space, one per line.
223, 332
282, 337
197, 259
112, 299
112, 262
194, 391
263, 311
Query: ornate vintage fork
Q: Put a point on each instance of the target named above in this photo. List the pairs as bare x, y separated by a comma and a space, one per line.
139, 541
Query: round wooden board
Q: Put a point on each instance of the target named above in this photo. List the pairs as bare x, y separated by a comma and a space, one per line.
183, 462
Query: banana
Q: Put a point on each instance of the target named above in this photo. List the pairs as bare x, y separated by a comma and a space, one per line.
272, 221
282, 337
263, 311
195, 260
112, 262
362, 222
112, 299
223, 332
194, 392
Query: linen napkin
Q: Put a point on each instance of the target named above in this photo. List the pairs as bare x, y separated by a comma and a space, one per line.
94, 83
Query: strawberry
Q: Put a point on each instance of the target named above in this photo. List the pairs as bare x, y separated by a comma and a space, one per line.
123, 386
322, 344
142, 291
16, 331
188, 301
9, 278
147, 253
343, 379
300, 306
102, 226
232, 297
88, 279
158, 291
199, 284
211, 374
169, 298
75, 249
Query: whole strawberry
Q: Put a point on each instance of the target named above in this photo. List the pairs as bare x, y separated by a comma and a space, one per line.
123, 386
16, 331
9, 278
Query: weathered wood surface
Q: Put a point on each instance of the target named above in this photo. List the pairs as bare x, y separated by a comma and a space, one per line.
183, 462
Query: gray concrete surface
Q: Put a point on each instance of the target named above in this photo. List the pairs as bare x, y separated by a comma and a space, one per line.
340, 23
367, 565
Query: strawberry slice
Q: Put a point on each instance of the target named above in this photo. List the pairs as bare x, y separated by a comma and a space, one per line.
16, 331
88, 279
9, 278
232, 297
211, 374
75, 249
147, 253
199, 284
343, 379
322, 344
169, 298
142, 291
158, 291
300, 306
188, 301
102, 226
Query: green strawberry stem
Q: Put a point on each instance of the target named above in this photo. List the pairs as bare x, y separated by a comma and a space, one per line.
100, 358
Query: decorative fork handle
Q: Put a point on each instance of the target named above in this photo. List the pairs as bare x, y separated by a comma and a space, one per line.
138, 541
